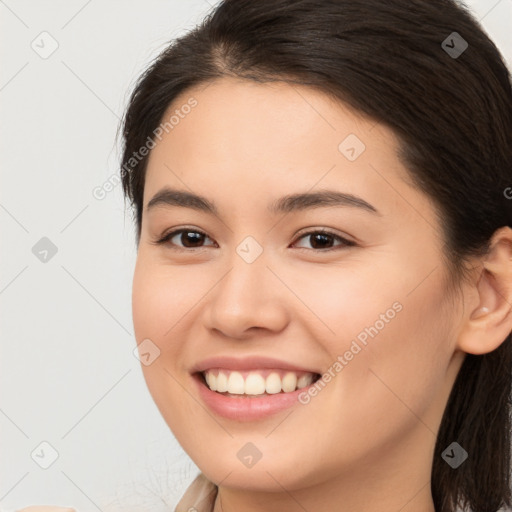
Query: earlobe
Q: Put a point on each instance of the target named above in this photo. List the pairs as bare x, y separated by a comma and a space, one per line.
490, 322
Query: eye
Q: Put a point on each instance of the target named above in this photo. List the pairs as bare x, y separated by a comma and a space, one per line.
322, 239
191, 238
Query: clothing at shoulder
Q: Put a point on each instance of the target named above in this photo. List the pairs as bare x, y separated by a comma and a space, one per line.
199, 496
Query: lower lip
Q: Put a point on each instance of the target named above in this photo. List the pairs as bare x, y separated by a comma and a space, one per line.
246, 408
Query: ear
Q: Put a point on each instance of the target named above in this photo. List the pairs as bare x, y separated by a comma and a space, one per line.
487, 325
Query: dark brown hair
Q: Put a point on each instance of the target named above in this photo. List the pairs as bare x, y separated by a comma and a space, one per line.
426, 70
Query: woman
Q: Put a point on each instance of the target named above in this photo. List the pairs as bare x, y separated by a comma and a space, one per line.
323, 287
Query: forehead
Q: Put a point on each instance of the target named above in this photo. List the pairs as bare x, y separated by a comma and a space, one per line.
270, 139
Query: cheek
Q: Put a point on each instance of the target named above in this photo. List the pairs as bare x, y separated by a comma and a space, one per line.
158, 303
161, 298
394, 340
345, 304
400, 373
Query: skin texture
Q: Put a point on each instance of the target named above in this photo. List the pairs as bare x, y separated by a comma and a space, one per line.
365, 442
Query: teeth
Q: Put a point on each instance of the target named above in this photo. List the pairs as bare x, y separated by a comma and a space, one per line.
221, 383
236, 383
304, 381
289, 382
211, 380
273, 384
256, 382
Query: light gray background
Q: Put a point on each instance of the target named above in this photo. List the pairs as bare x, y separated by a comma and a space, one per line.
68, 375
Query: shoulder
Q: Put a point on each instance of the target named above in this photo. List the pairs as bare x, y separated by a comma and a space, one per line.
199, 496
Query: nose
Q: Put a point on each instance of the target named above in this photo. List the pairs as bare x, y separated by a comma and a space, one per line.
248, 298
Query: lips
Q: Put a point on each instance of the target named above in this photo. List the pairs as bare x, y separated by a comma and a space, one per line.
250, 388
249, 363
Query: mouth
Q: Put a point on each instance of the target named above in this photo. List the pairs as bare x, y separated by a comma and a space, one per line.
258, 382
252, 388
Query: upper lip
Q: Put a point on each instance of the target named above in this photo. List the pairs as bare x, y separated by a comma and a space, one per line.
247, 363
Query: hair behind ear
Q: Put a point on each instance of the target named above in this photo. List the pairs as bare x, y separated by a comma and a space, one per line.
478, 418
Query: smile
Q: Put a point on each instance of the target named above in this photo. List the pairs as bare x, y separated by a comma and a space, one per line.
251, 388
257, 382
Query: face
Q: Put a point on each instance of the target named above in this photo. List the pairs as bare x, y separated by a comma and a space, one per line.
346, 285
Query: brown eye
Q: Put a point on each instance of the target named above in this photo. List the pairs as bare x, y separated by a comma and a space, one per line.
323, 240
190, 238
183, 239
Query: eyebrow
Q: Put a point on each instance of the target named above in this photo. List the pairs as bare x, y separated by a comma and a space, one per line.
286, 204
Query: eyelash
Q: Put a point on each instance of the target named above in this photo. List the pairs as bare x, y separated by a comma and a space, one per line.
166, 237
